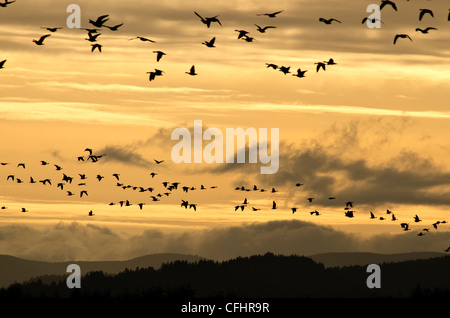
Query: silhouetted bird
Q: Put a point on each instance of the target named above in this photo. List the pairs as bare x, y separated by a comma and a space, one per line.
21, 165
315, 212
330, 62
83, 192
116, 175
372, 216
405, 226
328, 21
208, 21
447, 250
300, 73
285, 69
159, 55
91, 213
387, 2
113, 28
274, 66
143, 39
141, 205
274, 205
247, 38
158, 161
93, 37
416, 219
152, 76
310, 199
41, 39
99, 177
349, 214
192, 71
374, 20
100, 21
388, 211
51, 29
274, 190
402, 36
255, 209
294, 210
393, 217
239, 206
425, 30
45, 181
349, 204
10, 177
210, 43
194, 206
423, 12
241, 33
271, 15
32, 180
6, 3
96, 46
69, 193
298, 184
24, 210
2, 63
320, 65
264, 29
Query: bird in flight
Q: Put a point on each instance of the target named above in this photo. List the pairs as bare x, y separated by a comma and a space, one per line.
247, 38
274, 205
319, 66
21, 165
285, 69
51, 29
142, 39
24, 210
374, 20
6, 3
83, 192
274, 66
294, 210
372, 216
41, 39
100, 21
96, 46
210, 43
310, 199
405, 226
423, 12
329, 21
92, 37
158, 161
416, 219
2, 63
271, 15
159, 55
192, 71
263, 29
425, 30
387, 2
330, 62
113, 28
300, 73
208, 21
402, 36
241, 33
91, 213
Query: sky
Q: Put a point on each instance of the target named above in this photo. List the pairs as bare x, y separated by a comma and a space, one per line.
372, 129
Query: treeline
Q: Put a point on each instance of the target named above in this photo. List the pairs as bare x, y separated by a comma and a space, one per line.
260, 276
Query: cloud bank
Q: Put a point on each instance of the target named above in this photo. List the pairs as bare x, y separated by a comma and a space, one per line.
74, 241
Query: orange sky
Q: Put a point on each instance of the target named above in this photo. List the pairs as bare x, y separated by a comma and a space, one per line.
372, 129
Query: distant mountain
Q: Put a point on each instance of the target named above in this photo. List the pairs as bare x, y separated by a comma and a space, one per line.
14, 269
258, 276
356, 258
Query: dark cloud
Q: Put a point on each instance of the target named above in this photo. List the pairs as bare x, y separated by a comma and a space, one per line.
91, 242
336, 164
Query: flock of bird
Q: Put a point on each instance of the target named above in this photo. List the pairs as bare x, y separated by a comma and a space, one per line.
89, 156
